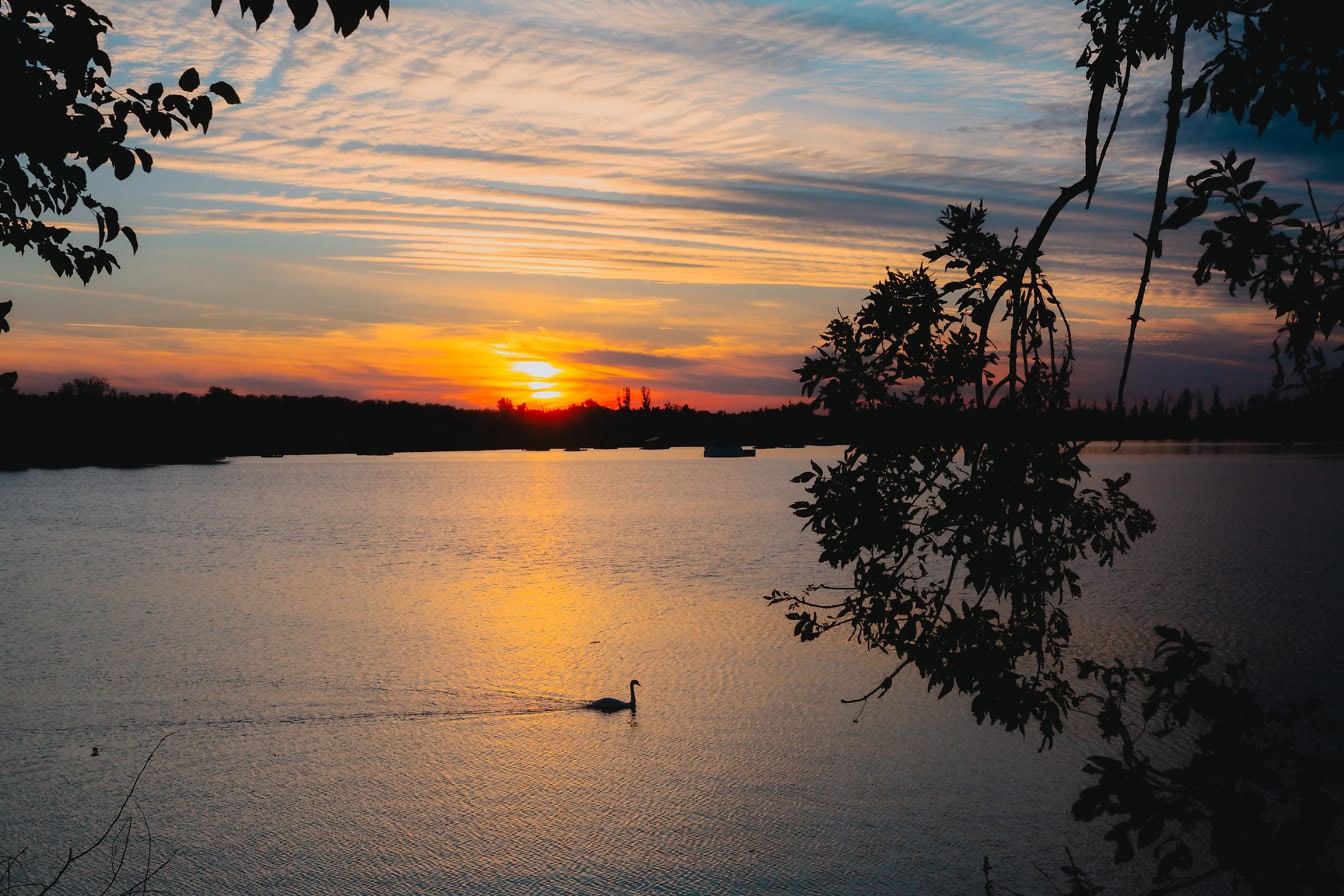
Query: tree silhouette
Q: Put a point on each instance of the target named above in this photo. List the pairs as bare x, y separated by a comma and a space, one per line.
921, 346
91, 388
959, 511
1295, 263
940, 496
1274, 59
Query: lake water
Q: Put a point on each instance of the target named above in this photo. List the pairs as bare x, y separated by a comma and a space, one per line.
370, 667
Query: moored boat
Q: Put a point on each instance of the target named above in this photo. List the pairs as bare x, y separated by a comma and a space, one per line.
726, 450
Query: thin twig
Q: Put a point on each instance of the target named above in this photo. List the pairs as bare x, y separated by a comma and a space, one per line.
883, 686
71, 856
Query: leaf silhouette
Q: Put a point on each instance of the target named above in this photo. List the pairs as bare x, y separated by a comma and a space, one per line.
303, 11
224, 91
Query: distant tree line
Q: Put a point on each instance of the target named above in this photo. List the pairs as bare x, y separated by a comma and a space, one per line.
1279, 416
88, 422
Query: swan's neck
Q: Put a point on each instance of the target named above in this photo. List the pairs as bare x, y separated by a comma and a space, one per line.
632, 695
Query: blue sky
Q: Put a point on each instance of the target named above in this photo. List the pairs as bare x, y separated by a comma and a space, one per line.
675, 195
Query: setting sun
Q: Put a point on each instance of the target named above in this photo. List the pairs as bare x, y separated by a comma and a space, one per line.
537, 370
541, 383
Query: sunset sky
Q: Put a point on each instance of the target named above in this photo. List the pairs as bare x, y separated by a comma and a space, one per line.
551, 201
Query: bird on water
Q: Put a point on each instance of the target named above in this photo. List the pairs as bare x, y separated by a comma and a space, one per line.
611, 704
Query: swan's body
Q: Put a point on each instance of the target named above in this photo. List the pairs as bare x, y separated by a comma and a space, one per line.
611, 704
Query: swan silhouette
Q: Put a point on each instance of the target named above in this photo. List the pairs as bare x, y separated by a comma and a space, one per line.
611, 704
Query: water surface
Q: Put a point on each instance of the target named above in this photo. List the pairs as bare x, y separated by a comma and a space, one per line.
370, 668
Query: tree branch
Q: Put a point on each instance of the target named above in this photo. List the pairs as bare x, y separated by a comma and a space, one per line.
1152, 244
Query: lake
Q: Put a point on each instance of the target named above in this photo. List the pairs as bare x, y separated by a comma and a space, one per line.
370, 667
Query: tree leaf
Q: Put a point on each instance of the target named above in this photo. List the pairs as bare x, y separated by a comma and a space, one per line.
189, 81
1198, 91
303, 11
224, 91
1187, 209
261, 9
123, 162
201, 112
1242, 172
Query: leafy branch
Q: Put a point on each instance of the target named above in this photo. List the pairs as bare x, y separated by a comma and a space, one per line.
961, 523
1247, 792
1295, 264
65, 121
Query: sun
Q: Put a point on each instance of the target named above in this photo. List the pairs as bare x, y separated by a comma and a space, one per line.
541, 378
537, 370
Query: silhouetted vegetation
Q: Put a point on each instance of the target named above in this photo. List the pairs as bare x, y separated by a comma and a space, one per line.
88, 422
346, 14
960, 544
63, 120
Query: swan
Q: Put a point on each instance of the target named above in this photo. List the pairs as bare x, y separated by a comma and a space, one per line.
611, 704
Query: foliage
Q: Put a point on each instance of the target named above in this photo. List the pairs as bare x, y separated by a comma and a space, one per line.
963, 526
346, 14
1295, 264
1275, 57
64, 121
960, 516
973, 492
1228, 788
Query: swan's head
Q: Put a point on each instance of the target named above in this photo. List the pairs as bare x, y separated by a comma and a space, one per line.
635, 681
